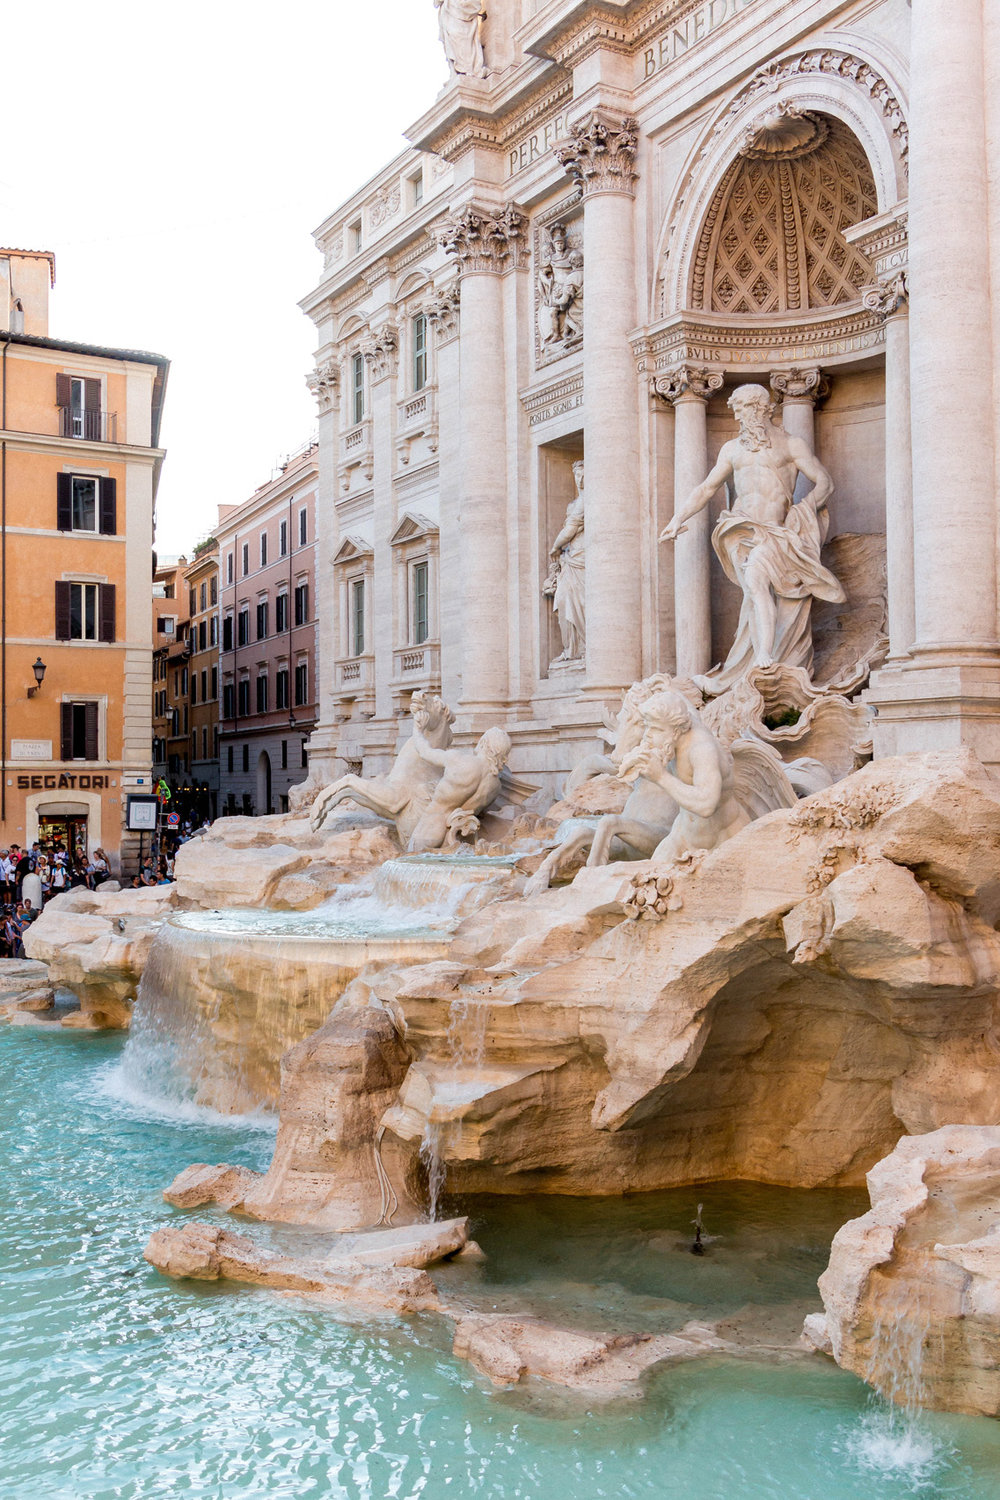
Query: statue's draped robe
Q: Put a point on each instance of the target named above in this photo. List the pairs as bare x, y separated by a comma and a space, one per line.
458, 21
568, 599
789, 556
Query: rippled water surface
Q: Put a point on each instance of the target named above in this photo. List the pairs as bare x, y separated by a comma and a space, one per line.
119, 1383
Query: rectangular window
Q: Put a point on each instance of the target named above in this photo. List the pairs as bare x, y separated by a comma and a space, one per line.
204, 687
262, 693
229, 757
246, 758
79, 401
263, 549
303, 523
227, 633
203, 596
301, 683
184, 682
304, 755
301, 603
417, 189
84, 503
202, 635
228, 703
358, 617
213, 630
194, 744
284, 753
215, 742
420, 603
194, 688
243, 626
243, 697
80, 723
246, 558
419, 352
283, 539
85, 611
281, 613
214, 588
281, 688
229, 567
204, 743
357, 236
192, 601
215, 683
262, 619
357, 388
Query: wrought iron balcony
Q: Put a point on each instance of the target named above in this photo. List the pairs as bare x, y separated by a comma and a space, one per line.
92, 426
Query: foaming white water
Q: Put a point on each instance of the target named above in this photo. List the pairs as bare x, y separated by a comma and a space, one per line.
118, 1085
892, 1443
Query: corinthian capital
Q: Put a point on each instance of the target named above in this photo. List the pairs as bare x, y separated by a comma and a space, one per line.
886, 297
686, 382
600, 154
324, 382
441, 311
799, 385
380, 351
486, 239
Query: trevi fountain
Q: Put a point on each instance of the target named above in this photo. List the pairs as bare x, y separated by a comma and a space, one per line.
607, 1108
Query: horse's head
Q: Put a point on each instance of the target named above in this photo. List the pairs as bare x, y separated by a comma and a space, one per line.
433, 718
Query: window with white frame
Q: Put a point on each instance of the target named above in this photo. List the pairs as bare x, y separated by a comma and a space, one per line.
246, 558
303, 526
229, 567
419, 327
357, 617
420, 601
357, 389
283, 539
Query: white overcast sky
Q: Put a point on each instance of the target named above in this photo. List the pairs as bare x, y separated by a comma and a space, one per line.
176, 157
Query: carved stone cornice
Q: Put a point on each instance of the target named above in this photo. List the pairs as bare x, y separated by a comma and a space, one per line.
886, 297
486, 240
600, 153
324, 382
442, 312
800, 385
380, 351
686, 383
832, 336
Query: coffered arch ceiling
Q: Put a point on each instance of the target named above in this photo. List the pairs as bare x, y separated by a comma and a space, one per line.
772, 241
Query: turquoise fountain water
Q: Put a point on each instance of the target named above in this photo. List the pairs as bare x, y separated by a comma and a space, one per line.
119, 1383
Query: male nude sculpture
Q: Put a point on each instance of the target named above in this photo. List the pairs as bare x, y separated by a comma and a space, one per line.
767, 545
470, 781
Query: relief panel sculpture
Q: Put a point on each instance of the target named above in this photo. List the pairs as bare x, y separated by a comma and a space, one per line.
560, 293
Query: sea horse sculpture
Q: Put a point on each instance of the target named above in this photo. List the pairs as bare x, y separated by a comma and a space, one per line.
404, 794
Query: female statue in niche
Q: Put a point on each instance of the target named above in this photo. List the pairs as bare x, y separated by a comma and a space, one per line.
460, 24
565, 582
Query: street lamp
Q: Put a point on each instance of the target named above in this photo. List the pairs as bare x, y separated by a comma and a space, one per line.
39, 670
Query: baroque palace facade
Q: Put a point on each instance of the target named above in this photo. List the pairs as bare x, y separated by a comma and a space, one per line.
613, 215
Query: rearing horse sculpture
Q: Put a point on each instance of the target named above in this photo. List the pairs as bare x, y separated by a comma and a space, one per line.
404, 793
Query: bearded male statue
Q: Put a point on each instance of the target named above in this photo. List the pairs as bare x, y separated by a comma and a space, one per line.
768, 545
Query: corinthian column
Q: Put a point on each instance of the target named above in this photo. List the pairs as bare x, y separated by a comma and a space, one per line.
949, 694
892, 302
688, 389
600, 157
486, 243
799, 390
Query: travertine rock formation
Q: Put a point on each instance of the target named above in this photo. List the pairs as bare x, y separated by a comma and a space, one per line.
24, 987
820, 985
96, 945
912, 1291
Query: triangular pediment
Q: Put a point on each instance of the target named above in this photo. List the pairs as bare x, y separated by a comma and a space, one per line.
411, 526
352, 548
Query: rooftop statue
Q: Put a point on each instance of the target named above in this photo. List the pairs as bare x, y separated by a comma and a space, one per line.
460, 24
405, 792
768, 545
565, 582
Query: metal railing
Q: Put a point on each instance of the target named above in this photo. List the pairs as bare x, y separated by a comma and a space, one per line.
92, 426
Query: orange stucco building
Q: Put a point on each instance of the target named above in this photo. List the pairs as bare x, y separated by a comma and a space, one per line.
79, 466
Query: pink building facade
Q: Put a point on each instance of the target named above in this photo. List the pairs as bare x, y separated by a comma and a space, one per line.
267, 648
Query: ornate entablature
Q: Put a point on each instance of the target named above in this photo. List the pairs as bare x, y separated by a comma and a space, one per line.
830, 338
490, 240
555, 399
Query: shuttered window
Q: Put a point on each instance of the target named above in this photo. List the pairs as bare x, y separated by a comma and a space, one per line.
85, 502
85, 611
79, 403
79, 726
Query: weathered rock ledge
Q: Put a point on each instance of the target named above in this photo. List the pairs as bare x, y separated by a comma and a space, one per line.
912, 1291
